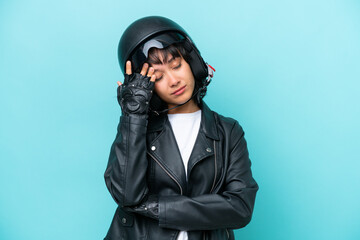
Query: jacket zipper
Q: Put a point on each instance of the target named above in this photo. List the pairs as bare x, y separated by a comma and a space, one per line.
181, 190
212, 188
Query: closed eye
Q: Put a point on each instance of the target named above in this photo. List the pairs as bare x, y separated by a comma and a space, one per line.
157, 79
178, 66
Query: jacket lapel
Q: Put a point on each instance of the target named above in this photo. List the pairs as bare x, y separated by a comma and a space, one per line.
202, 149
163, 145
165, 149
204, 145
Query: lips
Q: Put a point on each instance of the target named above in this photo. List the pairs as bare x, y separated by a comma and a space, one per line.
179, 91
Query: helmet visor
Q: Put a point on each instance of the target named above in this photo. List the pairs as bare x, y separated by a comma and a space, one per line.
138, 58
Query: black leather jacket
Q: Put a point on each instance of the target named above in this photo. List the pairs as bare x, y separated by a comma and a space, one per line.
218, 196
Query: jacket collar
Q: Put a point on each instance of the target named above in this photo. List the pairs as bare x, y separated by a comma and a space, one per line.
208, 123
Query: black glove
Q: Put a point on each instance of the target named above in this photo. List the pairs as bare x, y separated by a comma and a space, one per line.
147, 208
135, 94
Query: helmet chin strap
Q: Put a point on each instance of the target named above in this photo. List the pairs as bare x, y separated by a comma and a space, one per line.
211, 71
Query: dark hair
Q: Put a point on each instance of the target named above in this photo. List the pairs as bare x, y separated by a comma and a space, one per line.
174, 50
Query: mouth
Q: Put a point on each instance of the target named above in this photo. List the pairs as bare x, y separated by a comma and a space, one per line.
179, 91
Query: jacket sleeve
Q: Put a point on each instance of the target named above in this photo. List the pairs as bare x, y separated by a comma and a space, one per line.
232, 207
125, 174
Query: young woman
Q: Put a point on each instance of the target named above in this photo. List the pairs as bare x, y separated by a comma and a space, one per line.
177, 170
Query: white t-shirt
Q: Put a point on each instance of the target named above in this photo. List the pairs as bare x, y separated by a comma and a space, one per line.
186, 128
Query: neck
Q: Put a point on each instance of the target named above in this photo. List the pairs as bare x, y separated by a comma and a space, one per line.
189, 107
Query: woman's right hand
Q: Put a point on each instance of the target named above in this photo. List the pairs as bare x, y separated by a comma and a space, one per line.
135, 93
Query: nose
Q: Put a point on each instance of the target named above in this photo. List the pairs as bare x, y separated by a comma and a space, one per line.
173, 80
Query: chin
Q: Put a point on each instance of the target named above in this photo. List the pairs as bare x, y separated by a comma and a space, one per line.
184, 99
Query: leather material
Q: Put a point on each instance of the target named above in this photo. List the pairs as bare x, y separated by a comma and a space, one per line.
135, 94
218, 195
148, 208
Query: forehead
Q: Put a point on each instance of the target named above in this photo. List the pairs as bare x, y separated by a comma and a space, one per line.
169, 62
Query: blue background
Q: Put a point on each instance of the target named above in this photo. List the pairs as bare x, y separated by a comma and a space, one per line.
287, 70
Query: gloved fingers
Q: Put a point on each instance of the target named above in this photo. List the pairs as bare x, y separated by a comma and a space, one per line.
119, 88
127, 79
140, 81
151, 84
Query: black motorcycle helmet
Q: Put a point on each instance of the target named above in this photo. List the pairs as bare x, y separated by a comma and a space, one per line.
160, 32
